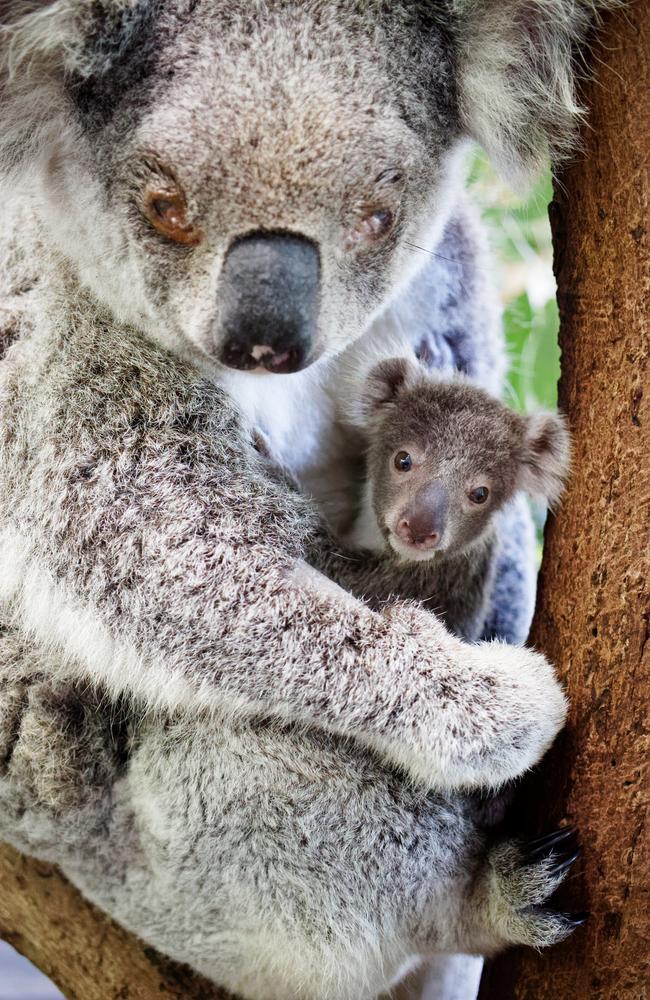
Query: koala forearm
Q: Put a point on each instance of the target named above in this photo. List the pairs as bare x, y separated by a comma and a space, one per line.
295, 648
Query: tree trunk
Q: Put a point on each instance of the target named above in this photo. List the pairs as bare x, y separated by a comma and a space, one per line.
87, 955
594, 604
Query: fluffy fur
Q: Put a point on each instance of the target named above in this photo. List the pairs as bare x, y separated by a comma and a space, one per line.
457, 437
161, 587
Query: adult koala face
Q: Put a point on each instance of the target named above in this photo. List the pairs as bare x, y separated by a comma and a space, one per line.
245, 182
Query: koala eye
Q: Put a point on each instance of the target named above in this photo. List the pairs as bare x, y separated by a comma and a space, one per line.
370, 228
390, 176
166, 210
479, 494
402, 461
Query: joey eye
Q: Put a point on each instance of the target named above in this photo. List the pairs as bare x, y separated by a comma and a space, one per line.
370, 228
479, 494
402, 461
166, 210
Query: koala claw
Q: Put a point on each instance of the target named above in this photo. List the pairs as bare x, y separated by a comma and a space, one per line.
574, 920
540, 845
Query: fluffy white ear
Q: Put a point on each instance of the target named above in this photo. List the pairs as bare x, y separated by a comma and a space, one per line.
546, 456
384, 383
517, 71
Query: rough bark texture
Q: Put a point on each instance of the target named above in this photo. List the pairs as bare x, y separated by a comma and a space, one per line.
87, 955
594, 606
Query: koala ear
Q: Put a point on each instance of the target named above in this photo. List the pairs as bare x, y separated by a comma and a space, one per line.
517, 68
43, 42
546, 456
53, 33
385, 381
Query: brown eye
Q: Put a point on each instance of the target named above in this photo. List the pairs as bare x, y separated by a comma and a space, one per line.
167, 212
479, 494
402, 461
370, 228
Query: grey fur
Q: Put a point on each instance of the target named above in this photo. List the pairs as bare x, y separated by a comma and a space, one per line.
281, 863
457, 437
156, 591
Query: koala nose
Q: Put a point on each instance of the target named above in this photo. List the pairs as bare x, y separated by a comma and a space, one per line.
270, 285
423, 522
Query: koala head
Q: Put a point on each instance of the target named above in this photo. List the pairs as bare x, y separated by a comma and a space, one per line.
443, 457
243, 181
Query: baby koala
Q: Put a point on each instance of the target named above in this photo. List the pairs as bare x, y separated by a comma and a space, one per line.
442, 459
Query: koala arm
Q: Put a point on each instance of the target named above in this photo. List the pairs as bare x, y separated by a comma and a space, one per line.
143, 537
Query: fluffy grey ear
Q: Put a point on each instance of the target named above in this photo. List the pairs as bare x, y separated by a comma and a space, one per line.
42, 43
38, 33
546, 456
385, 381
517, 69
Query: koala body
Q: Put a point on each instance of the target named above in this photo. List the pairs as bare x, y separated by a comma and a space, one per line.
442, 458
174, 225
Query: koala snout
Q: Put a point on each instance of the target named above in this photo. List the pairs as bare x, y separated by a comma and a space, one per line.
423, 522
270, 290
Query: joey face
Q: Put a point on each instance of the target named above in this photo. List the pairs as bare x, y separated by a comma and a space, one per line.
436, 487
444, 457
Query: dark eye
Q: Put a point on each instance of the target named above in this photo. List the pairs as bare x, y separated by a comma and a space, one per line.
402, 461
370, 228
479, 494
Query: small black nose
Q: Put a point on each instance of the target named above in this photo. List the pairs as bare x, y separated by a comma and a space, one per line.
269, 292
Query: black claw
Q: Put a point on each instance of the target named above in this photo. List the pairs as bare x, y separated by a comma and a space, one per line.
576, 919
564, 864
535, 850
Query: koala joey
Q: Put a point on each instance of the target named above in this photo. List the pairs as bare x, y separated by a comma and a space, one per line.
442, 458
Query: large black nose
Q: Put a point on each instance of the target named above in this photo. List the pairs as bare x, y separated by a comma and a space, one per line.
269, 295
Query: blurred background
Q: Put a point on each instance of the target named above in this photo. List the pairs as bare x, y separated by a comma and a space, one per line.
521, 240
520, 235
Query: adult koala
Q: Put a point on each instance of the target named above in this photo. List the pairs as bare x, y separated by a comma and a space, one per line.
195, 185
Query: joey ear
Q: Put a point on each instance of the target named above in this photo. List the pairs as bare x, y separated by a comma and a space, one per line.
546, 456
385, 381
517, 71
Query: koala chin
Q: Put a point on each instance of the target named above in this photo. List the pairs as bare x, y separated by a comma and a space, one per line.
203, 203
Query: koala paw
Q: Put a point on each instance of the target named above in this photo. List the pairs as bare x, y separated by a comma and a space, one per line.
519, 879
515, 709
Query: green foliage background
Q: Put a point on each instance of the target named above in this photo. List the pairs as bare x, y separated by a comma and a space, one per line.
521, 239
520, 234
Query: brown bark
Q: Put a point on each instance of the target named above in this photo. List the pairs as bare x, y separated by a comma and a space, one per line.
594, 602
87, 955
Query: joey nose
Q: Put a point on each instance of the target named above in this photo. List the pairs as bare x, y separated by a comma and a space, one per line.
269, 297
423, 522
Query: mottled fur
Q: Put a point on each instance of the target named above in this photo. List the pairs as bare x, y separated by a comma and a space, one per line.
282, 863
143, 534
157, 577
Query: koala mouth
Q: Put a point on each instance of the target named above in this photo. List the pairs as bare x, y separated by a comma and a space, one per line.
414, 551
261, 358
